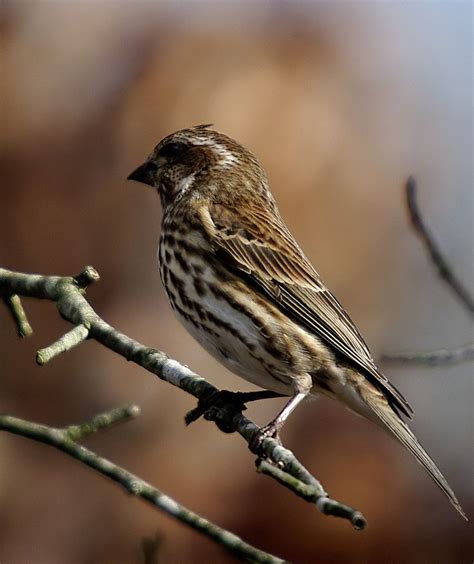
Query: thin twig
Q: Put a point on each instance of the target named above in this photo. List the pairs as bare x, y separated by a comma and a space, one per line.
102, 421
65, 440
87, 277
65, 343
313, 494
439, 260
440, 357
15, 307
73, 306
151, 549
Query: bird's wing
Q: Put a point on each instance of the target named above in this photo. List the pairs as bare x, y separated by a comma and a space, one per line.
259, 248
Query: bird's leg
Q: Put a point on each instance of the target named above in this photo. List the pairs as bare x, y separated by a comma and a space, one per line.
302, 387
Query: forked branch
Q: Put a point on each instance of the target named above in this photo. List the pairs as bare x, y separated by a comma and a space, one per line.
68, 293
441, 356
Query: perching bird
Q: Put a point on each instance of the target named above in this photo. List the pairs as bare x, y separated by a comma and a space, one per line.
240, 284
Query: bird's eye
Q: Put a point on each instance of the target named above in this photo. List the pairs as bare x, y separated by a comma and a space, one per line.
172, 150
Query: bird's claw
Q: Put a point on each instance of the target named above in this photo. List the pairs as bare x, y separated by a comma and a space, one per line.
269, 431
211, 405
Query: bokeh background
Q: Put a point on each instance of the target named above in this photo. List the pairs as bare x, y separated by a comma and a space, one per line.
341, 101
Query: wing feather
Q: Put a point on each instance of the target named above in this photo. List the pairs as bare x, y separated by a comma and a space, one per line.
260, 249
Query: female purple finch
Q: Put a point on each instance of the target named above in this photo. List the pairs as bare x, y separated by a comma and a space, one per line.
241, 285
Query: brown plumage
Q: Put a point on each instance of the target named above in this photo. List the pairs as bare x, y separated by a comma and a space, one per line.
241, 285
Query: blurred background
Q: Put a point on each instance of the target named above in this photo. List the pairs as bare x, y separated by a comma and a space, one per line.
341, 101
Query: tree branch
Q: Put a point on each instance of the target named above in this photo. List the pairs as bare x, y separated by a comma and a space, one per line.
442, 356
445, 270
312, 493
65, 440
68, 295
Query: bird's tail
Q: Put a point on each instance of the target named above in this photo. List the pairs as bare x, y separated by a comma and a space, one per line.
388, 419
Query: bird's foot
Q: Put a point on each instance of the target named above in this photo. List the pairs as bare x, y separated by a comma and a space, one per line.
221, 398
269, 431
215, 405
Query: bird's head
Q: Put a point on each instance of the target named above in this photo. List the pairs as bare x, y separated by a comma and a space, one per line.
200, 162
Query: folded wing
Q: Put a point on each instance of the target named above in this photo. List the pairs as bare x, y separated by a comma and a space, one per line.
259, 248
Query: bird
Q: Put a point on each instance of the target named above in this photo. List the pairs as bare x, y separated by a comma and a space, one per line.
240, 284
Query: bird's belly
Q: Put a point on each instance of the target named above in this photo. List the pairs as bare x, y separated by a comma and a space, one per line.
241, 342
235, 341
236, 325
232, 353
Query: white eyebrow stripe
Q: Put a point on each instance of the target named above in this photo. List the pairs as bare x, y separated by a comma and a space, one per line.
196, 140
226, 157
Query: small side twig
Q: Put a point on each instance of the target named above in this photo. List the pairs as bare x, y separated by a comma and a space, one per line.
15, 307
65, 343
86, 277
102, 421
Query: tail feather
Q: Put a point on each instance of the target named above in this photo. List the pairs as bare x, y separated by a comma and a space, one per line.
392, 422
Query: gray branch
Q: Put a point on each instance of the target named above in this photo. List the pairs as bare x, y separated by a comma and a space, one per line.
66, 440
65, 343
313, 494
438, 259
15, 307
68, 295
441, 357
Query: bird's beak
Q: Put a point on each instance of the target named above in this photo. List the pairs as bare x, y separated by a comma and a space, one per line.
145, 173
